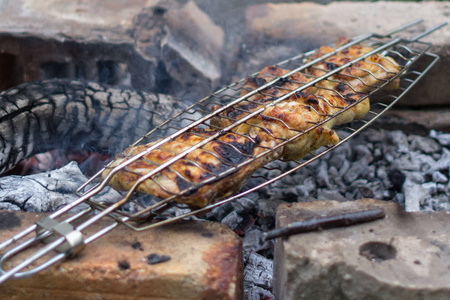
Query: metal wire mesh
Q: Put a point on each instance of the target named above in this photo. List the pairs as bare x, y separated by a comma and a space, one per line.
404, 52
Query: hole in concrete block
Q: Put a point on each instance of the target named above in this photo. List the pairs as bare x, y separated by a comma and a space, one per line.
377, 251
11, 72
54, 69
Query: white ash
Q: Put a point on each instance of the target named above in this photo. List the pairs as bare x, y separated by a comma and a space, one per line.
258, 272
388, 165
48, 191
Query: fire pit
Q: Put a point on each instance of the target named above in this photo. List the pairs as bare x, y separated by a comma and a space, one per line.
411, 169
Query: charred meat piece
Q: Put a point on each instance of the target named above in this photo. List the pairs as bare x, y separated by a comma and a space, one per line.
204, 163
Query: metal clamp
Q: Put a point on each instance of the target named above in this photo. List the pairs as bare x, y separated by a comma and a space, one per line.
74, 241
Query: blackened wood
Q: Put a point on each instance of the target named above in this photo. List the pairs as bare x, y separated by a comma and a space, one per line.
40, 116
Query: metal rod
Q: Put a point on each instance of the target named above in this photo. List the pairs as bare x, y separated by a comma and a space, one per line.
326, 222
403, 27
427, 32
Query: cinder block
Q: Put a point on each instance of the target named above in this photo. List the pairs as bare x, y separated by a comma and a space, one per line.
403, 256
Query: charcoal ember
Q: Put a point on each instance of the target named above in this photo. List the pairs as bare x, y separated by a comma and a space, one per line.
416, 177
325, 194
362, 152
399, 139
336, 161
290, 194
376, 136
430, 187
239, 215
437, 203
442, 138
258, 273
441, 188
389, 157
397, 179
377, 154
426, 161
232, 220
409, 161
254, 241
369, 190
266, 223
220, 212
439, 177
322, 177
257, 293
443, 164
414, 195
424, 144
345, 166
10, 206
357, 170
382, 174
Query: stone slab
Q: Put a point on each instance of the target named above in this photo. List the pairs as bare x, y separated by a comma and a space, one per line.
205, 263
438, 119
403, 256
306, 26
151, 44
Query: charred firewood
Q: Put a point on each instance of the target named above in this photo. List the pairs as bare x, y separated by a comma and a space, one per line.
65, 114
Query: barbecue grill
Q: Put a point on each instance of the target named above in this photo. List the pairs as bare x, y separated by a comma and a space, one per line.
63, 236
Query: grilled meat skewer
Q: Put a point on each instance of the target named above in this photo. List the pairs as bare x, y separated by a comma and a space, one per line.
299, 113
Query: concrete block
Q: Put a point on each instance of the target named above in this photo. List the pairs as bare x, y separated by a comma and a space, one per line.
403, 256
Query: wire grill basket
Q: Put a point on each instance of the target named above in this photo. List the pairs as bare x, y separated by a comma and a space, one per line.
65, 234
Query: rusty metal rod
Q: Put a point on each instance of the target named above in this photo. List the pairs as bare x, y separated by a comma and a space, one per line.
326, 222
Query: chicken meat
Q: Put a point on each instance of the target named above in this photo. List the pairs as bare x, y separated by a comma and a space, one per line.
281, 129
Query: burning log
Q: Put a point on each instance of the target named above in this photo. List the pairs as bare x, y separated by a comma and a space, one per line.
66, 114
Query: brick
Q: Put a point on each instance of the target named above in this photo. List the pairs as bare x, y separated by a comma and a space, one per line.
205, 263
403, 256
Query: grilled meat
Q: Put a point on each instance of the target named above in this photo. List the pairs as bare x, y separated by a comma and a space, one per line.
361, 76
220, 164
205, 163
298, 113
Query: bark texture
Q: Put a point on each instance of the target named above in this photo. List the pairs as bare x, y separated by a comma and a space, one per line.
40, 116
